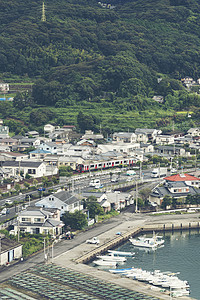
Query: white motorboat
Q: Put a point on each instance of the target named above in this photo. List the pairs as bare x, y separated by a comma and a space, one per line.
101, 262
152, 243
121, 253
120, 271
111, 257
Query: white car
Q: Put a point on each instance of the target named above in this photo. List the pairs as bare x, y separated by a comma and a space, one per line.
8, 201
94, 240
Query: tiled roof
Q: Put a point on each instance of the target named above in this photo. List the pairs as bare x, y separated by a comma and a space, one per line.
181, 177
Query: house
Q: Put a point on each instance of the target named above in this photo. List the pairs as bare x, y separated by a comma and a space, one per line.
8, 142
122, 148
36, 220
9, 250
119, 200
188, 179
31, 142
84, 142
101, 199
188, 81
34, 169
4, 132
4, 87
111, 200
176, 190
64, 201
71, 127
146, 134
164, 139
69, 161
90, 135
146, 148
33, 133
159, 99
124, 137
60, 133
49, 128
38, 154
52, 147
170, 150
4, 156
194, 132
77, 150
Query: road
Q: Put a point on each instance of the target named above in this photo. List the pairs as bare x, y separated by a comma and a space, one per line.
79, 185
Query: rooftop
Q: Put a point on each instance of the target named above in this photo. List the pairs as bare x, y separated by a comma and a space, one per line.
181, 177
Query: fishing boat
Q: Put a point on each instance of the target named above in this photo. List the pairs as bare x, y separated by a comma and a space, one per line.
152, 243
101, 262
120, 271
111, 257
121, 253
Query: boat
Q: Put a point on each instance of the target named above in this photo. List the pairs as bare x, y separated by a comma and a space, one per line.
152, 243
111, 257
101, 262
120, 271
121, 253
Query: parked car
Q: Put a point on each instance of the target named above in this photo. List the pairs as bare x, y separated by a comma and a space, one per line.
41, 189
5, 211
8, 201
69, 235
94, 240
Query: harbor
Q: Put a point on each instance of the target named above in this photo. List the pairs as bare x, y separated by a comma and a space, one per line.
111, 239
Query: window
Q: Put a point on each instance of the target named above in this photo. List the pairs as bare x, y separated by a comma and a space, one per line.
31, 171
75, 204
26, 219
37, 220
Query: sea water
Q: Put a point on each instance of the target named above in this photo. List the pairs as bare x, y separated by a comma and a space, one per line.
180, 253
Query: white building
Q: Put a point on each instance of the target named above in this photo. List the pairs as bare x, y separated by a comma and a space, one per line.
9, 250
34, 169
124, 137
36, 220
4, 87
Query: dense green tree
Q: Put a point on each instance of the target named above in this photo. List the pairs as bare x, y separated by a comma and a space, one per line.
93, 207
76, 220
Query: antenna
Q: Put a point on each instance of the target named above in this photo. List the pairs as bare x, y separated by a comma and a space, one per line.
43, 19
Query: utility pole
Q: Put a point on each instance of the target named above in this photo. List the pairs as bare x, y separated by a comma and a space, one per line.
0, 249
140, 169
136, 197
44, 251
18, 223
52, 252
43, 19
159, 170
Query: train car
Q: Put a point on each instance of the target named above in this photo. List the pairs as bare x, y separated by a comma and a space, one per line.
102, 165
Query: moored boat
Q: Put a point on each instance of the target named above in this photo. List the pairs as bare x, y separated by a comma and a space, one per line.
121, 253
101, 262
152, 243
111, 257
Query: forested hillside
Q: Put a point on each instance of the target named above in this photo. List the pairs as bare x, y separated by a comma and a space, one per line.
89, 56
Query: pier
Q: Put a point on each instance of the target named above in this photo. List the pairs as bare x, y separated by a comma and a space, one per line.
120, 239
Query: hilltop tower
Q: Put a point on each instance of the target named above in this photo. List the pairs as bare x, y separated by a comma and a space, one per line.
43, 19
